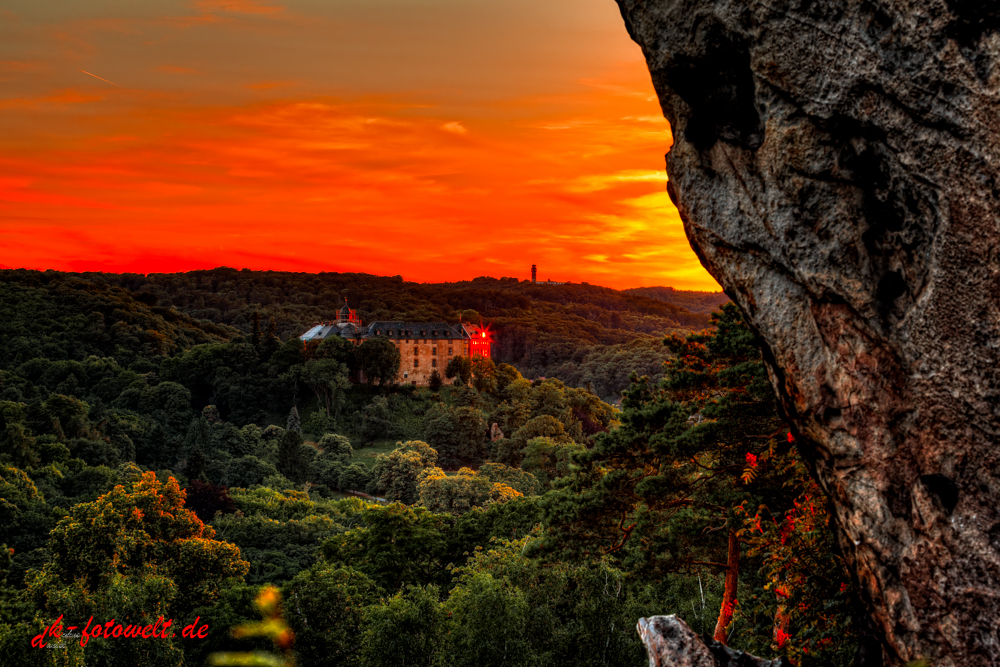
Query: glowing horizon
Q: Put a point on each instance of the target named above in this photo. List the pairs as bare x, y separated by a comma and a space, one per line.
434, 139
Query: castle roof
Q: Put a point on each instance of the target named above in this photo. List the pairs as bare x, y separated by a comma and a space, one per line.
328, 329
390, 329
405, 330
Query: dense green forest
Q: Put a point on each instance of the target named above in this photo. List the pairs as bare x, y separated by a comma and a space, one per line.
571, 332
696, 302
160, 459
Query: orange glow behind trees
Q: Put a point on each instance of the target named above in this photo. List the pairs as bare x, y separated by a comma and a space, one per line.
199, 155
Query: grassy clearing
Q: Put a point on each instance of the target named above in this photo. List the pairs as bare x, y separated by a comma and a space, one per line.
408, 409
367, 455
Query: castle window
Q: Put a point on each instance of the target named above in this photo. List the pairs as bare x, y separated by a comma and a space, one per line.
406, 375
449, 352
434, 363
416, 363
416, 351
434, 350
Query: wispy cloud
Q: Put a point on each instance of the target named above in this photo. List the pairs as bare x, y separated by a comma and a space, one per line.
59, 98
455, 127
595, 182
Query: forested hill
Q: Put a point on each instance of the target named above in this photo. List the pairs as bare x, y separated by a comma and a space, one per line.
579, 333
696, 302
63, 316
297, 300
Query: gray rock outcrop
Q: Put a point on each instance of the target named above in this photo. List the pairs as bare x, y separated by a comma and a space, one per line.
671, 643
837, 167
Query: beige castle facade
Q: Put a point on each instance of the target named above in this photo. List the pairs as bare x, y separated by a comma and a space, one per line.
426, 352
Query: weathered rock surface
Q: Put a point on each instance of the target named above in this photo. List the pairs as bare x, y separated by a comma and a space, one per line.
671, 643
835, 163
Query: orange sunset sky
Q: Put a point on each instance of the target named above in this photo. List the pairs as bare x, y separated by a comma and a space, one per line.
436, 139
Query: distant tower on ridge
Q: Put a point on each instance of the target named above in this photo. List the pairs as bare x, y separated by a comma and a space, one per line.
534, 273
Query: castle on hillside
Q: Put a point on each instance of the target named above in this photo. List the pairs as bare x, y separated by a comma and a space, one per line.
423, 346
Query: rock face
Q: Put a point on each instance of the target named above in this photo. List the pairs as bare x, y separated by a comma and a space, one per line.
835, 163
671, 643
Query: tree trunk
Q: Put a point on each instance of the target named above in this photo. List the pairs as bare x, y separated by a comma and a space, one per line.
729, 594
836, 165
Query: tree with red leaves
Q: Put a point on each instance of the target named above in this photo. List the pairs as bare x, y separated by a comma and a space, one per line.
206, 499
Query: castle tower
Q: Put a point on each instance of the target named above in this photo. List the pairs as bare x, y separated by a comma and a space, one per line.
348, 315
534, 273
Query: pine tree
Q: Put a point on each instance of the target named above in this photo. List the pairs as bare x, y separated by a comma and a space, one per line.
660, 492
293, 457
435, 381
294, 423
